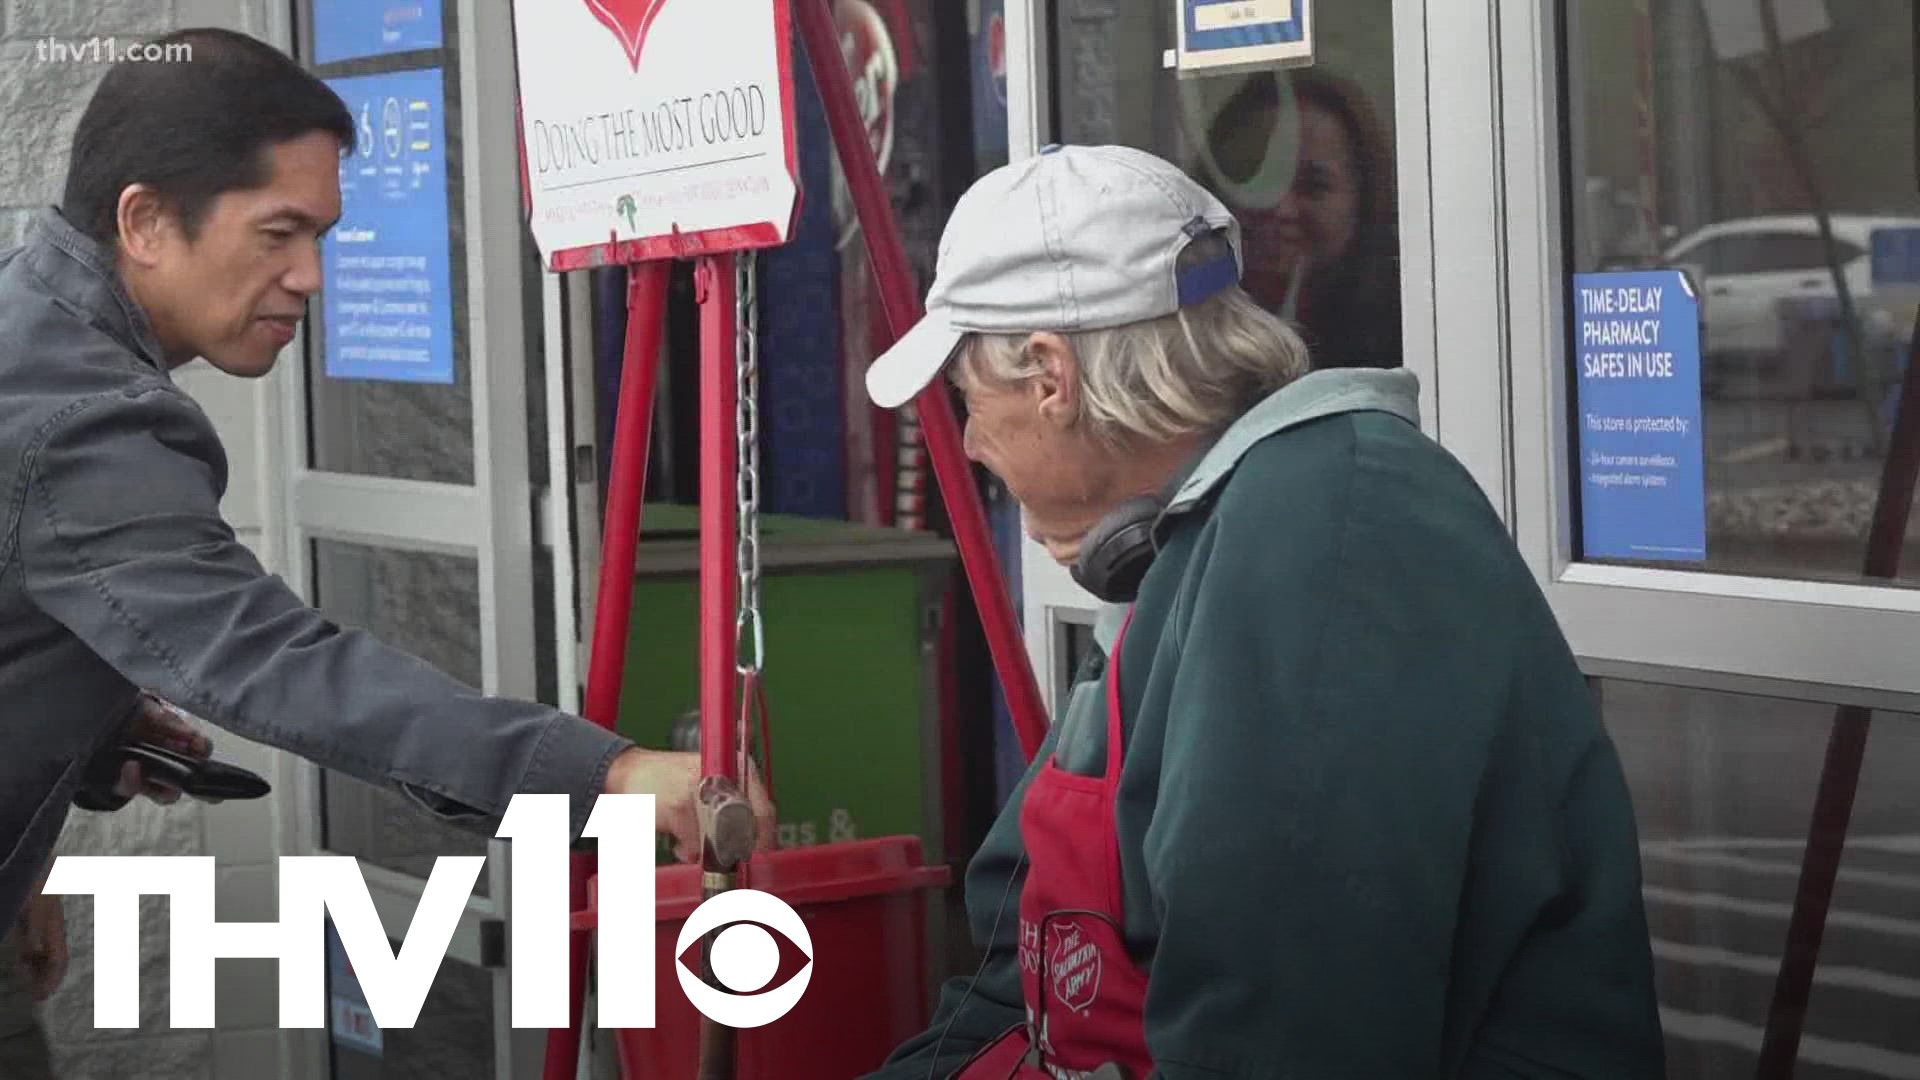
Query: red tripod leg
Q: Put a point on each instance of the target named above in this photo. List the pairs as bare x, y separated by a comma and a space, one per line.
900, 299
606, 668
718, 291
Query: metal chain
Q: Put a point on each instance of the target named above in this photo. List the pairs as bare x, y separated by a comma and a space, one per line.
747, 468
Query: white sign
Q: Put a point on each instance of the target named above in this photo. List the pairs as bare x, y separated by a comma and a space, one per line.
353, 1026
656, 129
1737, 31
1216, 35
745, 958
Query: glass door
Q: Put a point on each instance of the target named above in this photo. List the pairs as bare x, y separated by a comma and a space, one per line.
1703, 210
416, 453
1310, 159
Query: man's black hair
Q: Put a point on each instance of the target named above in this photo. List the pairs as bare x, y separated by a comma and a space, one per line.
192, 125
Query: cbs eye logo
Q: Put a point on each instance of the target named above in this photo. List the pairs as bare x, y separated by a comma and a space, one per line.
745, 958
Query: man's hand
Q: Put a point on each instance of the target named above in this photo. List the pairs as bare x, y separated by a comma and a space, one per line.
673, 779
159, 723
43, 944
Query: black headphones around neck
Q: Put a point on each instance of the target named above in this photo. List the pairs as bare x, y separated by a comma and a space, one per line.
1119, 549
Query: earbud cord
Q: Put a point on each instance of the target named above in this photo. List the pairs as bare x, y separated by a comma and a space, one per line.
992, 934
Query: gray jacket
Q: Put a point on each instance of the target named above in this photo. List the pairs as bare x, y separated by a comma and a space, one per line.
117, 573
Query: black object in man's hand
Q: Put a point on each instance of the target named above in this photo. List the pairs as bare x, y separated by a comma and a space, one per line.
163, 757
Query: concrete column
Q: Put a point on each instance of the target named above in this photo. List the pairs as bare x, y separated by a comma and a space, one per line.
41, 99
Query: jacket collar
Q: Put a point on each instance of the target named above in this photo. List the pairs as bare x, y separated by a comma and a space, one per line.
80, 271
1308, 398
1314, 396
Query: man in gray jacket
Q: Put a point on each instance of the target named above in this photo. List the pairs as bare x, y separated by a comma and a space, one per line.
197, 195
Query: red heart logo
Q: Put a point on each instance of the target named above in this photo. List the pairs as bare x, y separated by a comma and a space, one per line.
629, 21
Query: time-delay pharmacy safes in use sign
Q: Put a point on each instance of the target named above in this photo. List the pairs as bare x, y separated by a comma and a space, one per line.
1218, 36
1642, 462
656, 129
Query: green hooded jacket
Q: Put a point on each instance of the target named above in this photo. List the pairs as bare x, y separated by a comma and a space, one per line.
1370, 824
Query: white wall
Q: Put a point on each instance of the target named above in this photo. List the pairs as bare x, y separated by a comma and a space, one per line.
40, 102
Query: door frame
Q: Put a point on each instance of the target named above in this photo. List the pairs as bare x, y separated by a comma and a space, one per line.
489, 521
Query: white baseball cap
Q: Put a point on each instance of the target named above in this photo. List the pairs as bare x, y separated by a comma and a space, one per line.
1076, 238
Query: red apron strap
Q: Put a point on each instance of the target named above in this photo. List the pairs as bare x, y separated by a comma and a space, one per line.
1114, 742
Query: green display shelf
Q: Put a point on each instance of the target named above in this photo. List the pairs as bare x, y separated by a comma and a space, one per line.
852, 616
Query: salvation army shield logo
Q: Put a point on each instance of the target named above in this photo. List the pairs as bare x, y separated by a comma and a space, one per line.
629, 20
1073, 968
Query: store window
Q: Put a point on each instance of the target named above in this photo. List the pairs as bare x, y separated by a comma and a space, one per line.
1724, 787
390, 387
1745, 269
428, 605
1304, 156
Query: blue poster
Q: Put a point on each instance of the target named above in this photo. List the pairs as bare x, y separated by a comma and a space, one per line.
1896, 255
351, 29
1642, 471
389, 303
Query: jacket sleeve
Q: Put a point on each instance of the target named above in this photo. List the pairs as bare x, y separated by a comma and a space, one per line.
975, 1010
122, 542
1308, 847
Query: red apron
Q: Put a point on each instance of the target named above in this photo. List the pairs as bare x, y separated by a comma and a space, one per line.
1086, 999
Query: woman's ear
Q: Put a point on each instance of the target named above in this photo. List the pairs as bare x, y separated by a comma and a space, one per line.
1056, 387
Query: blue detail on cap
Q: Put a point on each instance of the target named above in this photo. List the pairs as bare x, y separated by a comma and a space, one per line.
1208, 279
1050, 148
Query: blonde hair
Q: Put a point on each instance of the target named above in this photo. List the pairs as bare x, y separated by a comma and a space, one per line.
1196, 370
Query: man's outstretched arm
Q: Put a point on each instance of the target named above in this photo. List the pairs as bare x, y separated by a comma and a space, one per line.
121, 541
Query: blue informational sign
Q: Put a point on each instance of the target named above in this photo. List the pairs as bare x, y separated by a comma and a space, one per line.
1642, 471
351, 29
389, 302
349, 1019
1237, 26
1896, 255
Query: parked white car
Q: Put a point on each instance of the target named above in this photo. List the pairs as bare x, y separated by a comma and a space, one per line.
1747, 267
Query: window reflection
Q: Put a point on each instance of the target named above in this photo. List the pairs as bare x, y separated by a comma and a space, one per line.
1304, 157
1301, 159
1760, 157
1724, 789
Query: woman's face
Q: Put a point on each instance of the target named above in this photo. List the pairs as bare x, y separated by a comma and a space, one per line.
1317, 217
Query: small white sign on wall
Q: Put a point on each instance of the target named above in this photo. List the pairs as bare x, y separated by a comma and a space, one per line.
1224, 35
1738, 32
